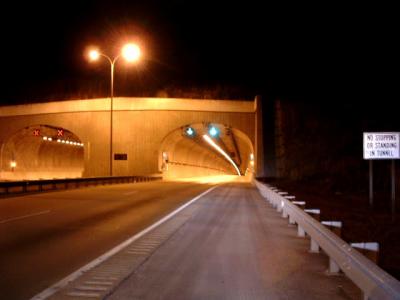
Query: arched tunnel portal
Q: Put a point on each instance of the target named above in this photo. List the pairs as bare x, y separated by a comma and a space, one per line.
184, 152
41, 152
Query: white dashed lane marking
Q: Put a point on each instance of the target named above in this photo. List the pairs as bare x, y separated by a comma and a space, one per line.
25, 216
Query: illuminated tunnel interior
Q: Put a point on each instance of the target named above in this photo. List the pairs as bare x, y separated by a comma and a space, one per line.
186, 153
42, 152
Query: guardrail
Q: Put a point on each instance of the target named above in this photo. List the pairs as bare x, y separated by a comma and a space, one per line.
374, 282
26, 186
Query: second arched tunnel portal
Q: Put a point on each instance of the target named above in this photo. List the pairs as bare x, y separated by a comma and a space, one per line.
185, 152
142, 129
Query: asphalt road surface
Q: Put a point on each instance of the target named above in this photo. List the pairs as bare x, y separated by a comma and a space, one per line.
235, 247
44, 237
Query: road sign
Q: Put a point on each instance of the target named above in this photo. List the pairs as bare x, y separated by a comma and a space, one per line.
381, 145
36, 132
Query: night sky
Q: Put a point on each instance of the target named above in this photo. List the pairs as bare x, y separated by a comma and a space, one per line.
311, 52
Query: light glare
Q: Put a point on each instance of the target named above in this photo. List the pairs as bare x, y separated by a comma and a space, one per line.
94, 55
190, 131
218, 148
131, 52
213, 131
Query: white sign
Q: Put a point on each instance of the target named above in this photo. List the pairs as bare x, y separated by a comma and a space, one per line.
381, 145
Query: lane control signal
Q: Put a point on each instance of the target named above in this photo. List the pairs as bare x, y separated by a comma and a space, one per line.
190, 132
213, 131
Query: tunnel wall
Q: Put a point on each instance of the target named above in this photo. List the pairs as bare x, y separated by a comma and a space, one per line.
140, 124
37, 158
191, 156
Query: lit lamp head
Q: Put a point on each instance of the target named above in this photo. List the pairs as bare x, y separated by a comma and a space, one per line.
131, 52
93, 55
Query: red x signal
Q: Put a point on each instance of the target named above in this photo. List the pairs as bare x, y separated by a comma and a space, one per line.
60, 132
36, 132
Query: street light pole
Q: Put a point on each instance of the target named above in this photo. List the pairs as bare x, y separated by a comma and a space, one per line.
131, 53
111, 112
112, 64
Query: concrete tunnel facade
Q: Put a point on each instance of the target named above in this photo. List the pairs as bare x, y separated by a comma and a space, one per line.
143, 129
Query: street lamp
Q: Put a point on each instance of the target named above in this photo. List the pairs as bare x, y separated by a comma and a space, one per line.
131, 53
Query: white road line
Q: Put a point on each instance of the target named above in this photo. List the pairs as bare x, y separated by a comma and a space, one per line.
130, 193
83, 294
64, 282
25, 216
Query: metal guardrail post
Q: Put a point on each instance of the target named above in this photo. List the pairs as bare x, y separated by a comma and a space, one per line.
333, 266
314, 247
300, 231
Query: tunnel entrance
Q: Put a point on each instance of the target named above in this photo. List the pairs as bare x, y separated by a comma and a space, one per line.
185, 152
41, 152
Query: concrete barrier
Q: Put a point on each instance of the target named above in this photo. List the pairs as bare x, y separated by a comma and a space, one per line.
26, 186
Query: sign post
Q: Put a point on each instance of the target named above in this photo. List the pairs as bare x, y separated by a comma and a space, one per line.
382, 145
393, 188
371, 183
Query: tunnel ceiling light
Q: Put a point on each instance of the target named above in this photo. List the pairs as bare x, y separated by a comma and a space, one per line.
251, 156
13, 164
213, 131
219, 149
49, 139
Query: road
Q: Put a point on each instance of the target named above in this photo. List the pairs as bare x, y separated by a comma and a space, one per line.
44, 237
235, 247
